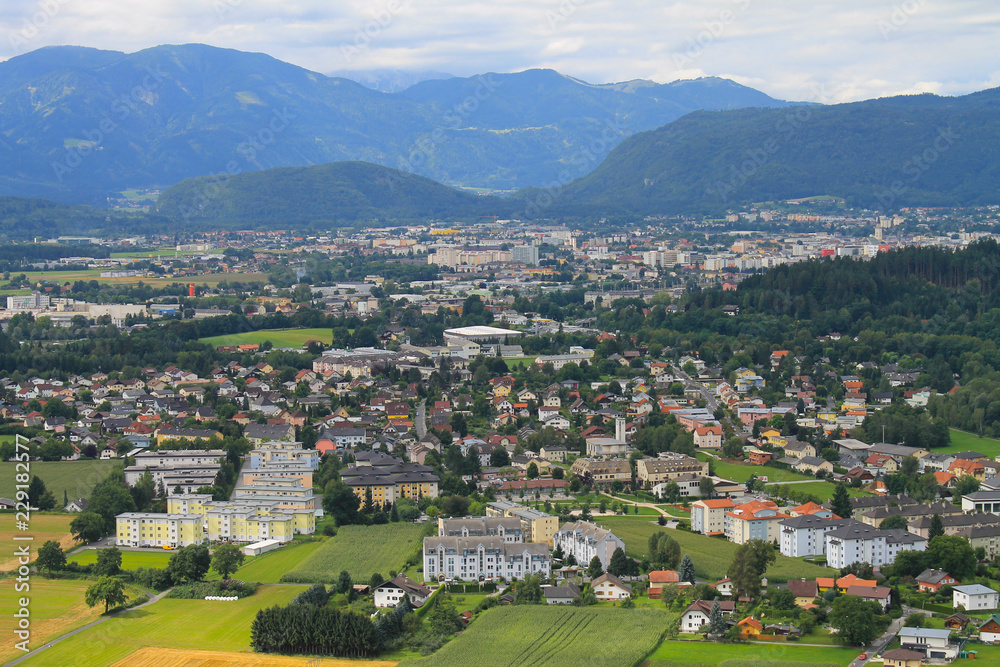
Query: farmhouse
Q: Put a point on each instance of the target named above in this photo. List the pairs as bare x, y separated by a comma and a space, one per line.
391, 592
696, 615
609, 587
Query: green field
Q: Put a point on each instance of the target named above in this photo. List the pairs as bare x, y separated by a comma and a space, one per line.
56, 606
552, 636
76, 478
130, 559
822, 490
41, 527
269, 567
278, 337
710, 654
169, 623
741, 472
712, 555
362, 551
962, 441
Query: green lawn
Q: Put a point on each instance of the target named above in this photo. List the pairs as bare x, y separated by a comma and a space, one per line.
962, 441
712, 555
542, 635
76, 478
56, 607
822, 490
279, 337
741, 472
362, 551
268, 567
130, 559
760, 655
169, 623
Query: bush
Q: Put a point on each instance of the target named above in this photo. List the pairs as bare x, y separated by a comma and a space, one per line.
198, 591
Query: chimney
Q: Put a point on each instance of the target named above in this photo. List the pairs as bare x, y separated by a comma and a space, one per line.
620, 429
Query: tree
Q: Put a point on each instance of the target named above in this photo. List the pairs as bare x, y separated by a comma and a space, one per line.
748, 566
687, 569
761, 554
109, 590
376, 580
840, 504
716, 623
618, 565
344, 582
706, 487
595, 569
340, 502
50, 557
587, 598
953, 554
896, 521
532, 471
226, 559
190, 563
782, 598
664, 551
87, 527
854, 619
937, 528
38, 496
499, 458
529, 591
109, 562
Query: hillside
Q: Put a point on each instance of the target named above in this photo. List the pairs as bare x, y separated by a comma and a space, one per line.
321, 197
78, 123
937, 151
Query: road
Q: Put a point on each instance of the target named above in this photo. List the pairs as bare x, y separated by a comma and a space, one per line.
711, 402
420, 423
880, 644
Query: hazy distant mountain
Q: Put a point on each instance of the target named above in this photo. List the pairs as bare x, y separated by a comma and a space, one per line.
323, 196
389, 80
919, 150
78, 123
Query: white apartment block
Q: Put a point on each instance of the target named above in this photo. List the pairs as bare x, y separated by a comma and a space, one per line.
806, 535
585, 540
483, 559
860, 543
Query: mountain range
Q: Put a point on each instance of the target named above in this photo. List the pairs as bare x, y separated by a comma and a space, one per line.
77, 124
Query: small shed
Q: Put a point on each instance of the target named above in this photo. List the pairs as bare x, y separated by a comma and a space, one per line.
258, 548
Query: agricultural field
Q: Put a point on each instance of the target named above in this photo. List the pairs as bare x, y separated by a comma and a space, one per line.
131, 560
962, 441
279, 337
76, 478
712, 555
362, 551
552, 636
269, 567
163, 657
43, 527
168, 623
708, 654
57, 607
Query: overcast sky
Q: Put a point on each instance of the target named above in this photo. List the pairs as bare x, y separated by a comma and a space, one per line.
819, 50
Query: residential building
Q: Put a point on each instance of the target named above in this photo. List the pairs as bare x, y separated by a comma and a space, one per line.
804, 591
932, 643
584, 540
806, 535
982, 501
391, 593
708, 517
602, 471
696, 614
536, 526
668, 466
609, 587
989, 632
708, 436
932, 580
974, 597
507, 529
858, 543
902, 657
756, 520
147, 529
388, 479
483, 559
564, 594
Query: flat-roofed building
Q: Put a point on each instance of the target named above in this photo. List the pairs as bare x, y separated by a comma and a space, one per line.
148, 529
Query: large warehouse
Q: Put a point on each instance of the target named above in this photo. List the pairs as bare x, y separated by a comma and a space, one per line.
480, 334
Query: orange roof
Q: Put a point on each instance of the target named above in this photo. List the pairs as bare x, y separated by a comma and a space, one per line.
851, 580
779, 353
705, 430
824, 582
717, 503
664, 577
966, 465
751, 622
943, 477
809, 508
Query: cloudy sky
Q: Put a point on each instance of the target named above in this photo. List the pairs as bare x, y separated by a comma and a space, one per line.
820, 50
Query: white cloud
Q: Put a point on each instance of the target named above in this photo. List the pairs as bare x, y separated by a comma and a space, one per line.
855, 49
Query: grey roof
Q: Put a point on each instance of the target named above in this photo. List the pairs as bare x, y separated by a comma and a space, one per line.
974, 589
925, 632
